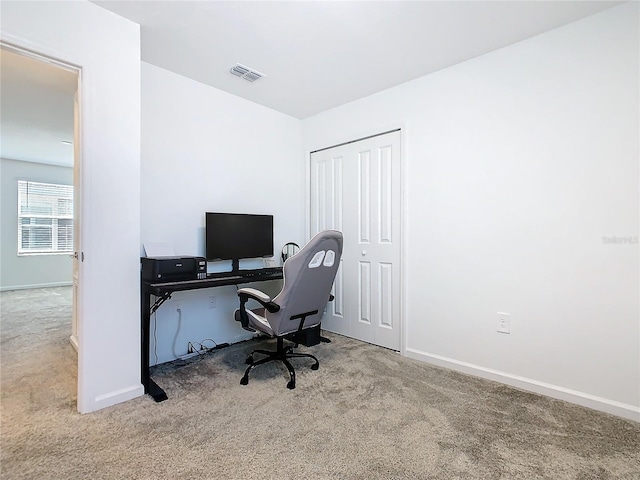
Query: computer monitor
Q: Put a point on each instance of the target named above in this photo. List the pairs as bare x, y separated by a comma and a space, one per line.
235, 236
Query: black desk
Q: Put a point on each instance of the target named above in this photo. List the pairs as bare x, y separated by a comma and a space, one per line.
163, 291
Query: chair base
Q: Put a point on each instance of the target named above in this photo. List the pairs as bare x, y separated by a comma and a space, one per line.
281, 354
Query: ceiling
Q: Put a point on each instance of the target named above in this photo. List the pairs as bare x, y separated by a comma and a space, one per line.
316, 55
36, 110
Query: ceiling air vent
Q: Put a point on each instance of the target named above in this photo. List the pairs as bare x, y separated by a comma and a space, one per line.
245, 72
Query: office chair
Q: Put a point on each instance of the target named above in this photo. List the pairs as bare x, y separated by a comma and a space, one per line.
295, 313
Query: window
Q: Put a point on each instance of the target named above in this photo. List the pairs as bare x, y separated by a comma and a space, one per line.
45, 218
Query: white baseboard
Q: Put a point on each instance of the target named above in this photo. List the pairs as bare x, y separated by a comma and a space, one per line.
39, 285
612, 407
73, 339
112, 398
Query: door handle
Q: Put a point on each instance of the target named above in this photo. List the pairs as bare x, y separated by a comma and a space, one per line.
75, 256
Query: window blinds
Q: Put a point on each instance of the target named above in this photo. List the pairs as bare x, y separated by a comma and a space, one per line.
45, 218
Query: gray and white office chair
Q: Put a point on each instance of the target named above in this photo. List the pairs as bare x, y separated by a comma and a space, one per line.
295, 313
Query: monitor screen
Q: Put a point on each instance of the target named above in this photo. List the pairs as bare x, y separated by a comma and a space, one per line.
233, 236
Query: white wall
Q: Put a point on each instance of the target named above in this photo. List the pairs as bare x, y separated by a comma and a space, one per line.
206, 150
107, 48
517, 164
27, 271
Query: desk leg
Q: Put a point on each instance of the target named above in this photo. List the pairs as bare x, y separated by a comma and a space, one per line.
150, 386
157, 393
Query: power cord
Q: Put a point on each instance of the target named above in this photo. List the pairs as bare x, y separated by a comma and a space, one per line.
201, 349
215, 344
175, 337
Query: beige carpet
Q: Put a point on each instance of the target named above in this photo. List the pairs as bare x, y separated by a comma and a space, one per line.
367, 413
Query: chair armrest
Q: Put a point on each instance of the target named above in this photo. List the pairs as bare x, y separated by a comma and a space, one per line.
261, 297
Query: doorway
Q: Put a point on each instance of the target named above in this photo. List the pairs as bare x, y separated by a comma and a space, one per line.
40, 133
355, 188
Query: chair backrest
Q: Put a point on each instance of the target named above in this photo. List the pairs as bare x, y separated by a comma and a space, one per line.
308, 278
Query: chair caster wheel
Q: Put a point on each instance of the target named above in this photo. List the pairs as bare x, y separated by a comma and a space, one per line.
249, 360
315, 366
244, 380
291, 385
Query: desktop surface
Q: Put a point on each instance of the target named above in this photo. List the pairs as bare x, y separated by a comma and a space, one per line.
255, 273
216, 279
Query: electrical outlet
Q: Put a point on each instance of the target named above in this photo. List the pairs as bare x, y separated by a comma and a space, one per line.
212, 301
504, 322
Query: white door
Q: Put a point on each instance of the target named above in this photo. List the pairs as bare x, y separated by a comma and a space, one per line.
77, 256
355, 188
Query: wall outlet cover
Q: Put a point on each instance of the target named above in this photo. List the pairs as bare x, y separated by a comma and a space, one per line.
504, 322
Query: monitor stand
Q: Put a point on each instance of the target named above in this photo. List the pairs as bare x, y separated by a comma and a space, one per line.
235, 266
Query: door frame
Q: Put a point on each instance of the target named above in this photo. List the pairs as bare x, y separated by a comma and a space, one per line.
333, 140
76, 321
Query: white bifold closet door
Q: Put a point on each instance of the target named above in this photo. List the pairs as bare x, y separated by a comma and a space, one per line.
355, 188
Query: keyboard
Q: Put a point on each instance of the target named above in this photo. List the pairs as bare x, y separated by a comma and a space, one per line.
183, 282
220, 276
